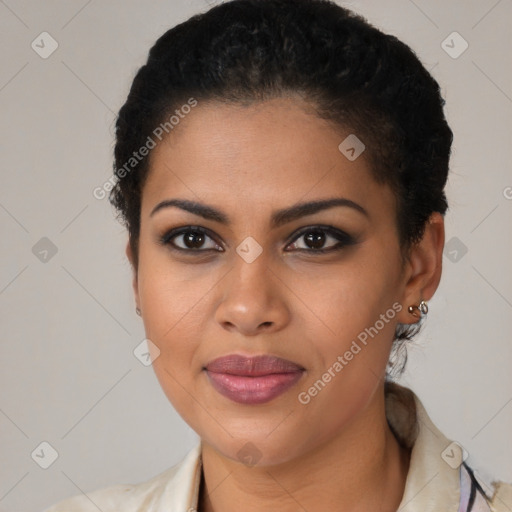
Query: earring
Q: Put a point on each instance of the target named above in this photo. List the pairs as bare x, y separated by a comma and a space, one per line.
137, 310
422, 308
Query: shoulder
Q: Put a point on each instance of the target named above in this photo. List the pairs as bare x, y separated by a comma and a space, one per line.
169, 490
501, 500
131, 497
457, 486
478, 496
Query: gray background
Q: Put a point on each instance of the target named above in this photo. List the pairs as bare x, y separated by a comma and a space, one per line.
68, 373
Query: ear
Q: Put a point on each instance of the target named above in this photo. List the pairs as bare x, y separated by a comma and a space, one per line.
423, 269
135, 281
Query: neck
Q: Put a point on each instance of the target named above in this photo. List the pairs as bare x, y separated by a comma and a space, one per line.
362, 468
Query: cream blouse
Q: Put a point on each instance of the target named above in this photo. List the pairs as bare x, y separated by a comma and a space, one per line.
438, 479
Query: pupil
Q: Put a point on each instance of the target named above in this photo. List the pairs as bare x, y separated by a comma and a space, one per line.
194, 240
315, 239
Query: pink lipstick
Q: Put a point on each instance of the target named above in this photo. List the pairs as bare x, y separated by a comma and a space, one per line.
252, 380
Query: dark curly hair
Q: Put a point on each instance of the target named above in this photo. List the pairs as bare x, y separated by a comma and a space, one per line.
351, 73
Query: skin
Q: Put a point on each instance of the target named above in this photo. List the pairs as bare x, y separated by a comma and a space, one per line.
336, 452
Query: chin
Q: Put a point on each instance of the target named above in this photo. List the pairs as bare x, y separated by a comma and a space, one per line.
255, 449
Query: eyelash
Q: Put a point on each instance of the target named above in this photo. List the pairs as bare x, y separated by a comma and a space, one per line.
343, 238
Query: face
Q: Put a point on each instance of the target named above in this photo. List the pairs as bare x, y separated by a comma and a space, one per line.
320, 286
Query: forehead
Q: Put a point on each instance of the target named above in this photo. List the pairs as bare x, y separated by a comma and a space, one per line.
274, 152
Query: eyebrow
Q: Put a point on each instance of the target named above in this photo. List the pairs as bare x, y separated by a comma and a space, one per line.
278, 218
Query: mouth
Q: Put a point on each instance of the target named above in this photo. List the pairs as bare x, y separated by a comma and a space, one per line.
252, 380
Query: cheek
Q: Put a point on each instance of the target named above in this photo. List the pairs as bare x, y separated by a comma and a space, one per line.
353, 318
346, 298
175, 315
171, 294
174, 319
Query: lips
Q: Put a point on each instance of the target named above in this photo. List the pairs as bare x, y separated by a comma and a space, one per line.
252, 380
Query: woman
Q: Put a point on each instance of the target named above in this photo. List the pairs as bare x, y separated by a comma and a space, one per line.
280, 169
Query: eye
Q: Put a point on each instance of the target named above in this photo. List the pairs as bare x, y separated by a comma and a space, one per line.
315, 237
189, 239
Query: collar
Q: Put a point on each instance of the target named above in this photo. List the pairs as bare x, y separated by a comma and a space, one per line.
433, 480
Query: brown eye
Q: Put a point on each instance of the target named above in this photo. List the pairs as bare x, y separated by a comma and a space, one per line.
189, 239
315, 238
193, 240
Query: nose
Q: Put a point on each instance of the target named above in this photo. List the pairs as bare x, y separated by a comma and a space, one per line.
253, 299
